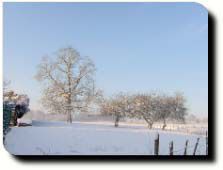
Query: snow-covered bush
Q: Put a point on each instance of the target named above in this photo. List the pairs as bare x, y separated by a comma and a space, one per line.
18, 103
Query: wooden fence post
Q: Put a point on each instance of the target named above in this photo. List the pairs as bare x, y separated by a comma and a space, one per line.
156, 145
171, 148
185, 149
195, 148
206, 142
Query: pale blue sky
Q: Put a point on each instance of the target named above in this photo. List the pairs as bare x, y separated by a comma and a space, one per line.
137, 47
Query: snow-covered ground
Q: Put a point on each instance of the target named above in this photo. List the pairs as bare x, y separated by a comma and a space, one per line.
85, 138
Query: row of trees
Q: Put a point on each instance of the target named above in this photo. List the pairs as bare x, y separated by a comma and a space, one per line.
69, 86
150, 107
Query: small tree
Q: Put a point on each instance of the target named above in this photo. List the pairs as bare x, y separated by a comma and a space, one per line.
68, 83
143, 107
117, 106
171, 107
105, 107
179, 108
163, 108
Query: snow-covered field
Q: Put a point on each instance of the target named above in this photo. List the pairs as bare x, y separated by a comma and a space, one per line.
85, 138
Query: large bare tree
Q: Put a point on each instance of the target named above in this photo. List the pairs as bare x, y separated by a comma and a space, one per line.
68, 82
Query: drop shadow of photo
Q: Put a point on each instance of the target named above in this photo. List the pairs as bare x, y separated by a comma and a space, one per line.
211, 86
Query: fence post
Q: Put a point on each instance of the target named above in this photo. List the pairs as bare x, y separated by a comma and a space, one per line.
195, 148
185, 149
156, 145
171, 148
206, 142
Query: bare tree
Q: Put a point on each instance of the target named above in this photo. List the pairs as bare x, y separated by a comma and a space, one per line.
122, 106
116, 110
171, 107
145, 106
179, 108
68, 82
117, 106
164, 108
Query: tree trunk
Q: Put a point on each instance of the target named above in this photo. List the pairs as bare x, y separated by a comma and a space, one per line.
14, 118
69, 116
164, 124
117, 120
150, 124
69, 94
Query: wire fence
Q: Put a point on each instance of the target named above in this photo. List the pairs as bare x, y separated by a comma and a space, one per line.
195, 149
199, 129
